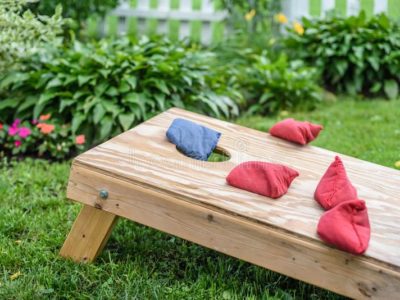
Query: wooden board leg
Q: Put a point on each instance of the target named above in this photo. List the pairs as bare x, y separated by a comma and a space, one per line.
89, 234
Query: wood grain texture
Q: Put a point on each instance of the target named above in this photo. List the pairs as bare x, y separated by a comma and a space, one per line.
144, 156
88, 235
303, 259
147, 164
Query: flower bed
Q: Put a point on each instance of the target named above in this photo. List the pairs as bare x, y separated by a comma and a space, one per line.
44, 137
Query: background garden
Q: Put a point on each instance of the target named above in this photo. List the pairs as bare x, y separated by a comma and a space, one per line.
65, 87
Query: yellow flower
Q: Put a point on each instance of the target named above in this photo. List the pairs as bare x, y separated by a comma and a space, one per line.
397, 164
15, 275
250, 15
298, 28
281, 18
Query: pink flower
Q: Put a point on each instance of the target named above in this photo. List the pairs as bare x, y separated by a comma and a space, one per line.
16, 123
80, 139
1, 126
13, 129
17, 143
34, 122
24, 132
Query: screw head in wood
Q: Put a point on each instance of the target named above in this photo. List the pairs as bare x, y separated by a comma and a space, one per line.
103, 194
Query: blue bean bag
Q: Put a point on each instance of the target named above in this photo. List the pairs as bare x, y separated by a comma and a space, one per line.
193, 140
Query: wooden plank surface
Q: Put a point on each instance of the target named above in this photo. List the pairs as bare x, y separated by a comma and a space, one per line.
280, 251
89, 234
144, 157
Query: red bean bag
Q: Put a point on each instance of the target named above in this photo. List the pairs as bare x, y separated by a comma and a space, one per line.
334, 187
346, 226
296, 131
267, 179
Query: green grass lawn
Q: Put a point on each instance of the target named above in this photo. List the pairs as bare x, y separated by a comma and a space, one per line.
142, 263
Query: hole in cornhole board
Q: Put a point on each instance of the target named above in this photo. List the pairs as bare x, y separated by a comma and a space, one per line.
218, 155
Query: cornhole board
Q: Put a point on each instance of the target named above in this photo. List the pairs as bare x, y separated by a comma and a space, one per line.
141, 176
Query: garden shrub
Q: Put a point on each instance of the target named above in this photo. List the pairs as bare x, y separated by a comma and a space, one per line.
77, 10
271, 85
106, 87
354, 54
23, 33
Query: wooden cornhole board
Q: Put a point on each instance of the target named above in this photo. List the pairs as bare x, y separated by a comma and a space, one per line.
148, 181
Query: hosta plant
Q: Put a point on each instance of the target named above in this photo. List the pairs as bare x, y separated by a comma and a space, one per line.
355, 54
103, 88
278, 84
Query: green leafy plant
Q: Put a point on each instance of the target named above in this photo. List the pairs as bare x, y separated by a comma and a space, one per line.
354, 54
106, 87
252, 22
273, 84
23, 33
254, 16
76, 10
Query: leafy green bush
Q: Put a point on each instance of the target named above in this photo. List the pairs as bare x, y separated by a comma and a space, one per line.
271, 85
106, 87
355, 54
23, 33
77, 10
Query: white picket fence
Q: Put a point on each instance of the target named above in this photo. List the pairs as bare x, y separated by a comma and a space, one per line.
296, 9
189, 16
203, 21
